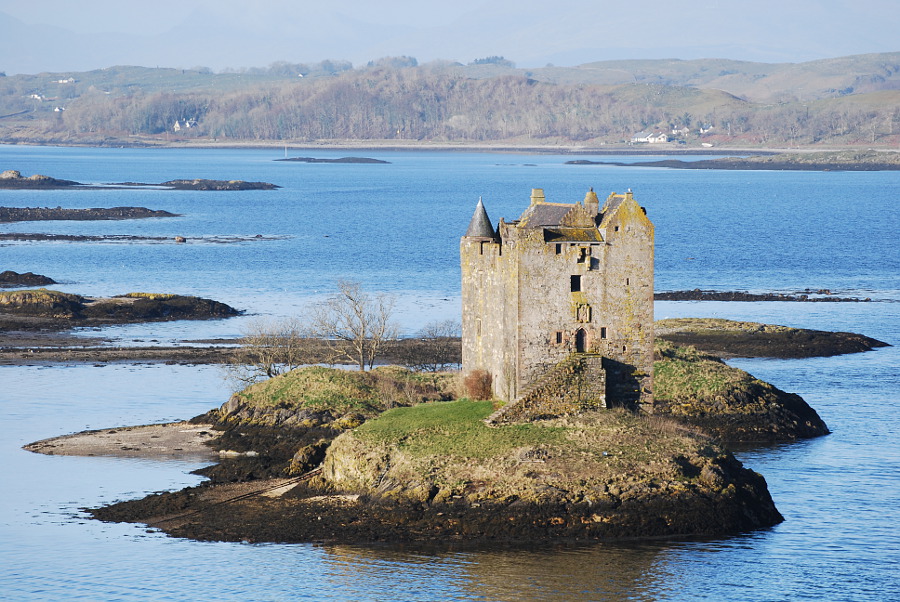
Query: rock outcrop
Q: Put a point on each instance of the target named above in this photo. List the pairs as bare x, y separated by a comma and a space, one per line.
48, 308
11, 279
700, 390
14, 179
40, 214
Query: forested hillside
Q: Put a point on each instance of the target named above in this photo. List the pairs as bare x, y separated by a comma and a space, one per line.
842, 101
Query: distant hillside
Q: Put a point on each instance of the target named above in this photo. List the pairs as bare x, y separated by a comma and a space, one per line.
763, 82
846, 101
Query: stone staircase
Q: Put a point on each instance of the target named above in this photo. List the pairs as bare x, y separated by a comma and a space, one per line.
574, 384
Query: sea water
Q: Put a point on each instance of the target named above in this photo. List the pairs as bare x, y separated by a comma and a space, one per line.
395, 228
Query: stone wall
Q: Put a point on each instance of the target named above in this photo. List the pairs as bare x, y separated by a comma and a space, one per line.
576, 384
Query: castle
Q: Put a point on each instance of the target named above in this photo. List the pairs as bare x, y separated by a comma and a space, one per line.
558, 305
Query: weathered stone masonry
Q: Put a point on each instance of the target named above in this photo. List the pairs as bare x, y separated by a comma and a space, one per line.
562, 279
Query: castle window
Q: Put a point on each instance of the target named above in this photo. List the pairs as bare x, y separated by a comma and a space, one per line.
558, 249
559, 337
624, 349
616, 228
627, 281
576, 283
582, 255
603, 332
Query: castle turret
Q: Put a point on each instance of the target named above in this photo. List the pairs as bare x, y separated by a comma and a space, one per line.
480, 226
592, 203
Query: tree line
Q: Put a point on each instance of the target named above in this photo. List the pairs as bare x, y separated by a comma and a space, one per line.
400, 100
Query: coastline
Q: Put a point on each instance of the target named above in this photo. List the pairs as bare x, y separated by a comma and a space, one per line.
157, 441
399, 146
717, 496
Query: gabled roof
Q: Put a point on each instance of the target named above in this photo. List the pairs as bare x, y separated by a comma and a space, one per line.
542, 215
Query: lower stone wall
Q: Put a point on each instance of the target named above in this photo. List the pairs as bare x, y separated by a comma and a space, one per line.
575, 384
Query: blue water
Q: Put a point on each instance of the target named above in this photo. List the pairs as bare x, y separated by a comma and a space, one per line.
396, 228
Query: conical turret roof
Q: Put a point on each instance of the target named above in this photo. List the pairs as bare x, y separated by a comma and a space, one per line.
480, 226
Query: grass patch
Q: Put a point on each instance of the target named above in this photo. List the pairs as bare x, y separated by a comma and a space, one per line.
685, 372
321, 388
454, 429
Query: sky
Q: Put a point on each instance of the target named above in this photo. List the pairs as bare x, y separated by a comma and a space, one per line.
64, 35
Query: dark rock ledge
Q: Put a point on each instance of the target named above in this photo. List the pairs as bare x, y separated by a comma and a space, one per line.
817, 296
11, 279
45, 308
355, 160
37, 214
13, 179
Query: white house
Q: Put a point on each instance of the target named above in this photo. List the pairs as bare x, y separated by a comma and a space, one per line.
650, 137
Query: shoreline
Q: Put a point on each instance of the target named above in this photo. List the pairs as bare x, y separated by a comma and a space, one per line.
157, 441
395, 146
299, 509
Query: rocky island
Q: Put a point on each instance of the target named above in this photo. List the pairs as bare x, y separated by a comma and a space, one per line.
432, 470
12, 179
729, 338
321, 454
48, 309
11, 279
201, 184
807, 296
355, 160
35, 214
869, 160
15, 180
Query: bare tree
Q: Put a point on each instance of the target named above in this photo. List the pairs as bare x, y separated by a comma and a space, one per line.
438, 348
269, 348
356, 323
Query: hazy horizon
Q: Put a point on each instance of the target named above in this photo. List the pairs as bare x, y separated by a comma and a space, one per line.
58, 35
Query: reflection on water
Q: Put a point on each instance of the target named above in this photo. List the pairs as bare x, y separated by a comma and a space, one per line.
604, 572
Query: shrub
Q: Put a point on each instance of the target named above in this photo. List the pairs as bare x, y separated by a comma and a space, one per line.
478, 384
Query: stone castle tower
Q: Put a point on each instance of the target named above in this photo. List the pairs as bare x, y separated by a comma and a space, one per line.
564, 289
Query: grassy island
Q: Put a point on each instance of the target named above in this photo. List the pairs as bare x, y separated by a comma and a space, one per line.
399, 464
436, 472
392, 455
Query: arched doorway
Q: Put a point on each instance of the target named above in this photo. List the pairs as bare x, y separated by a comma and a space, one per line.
580, 341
